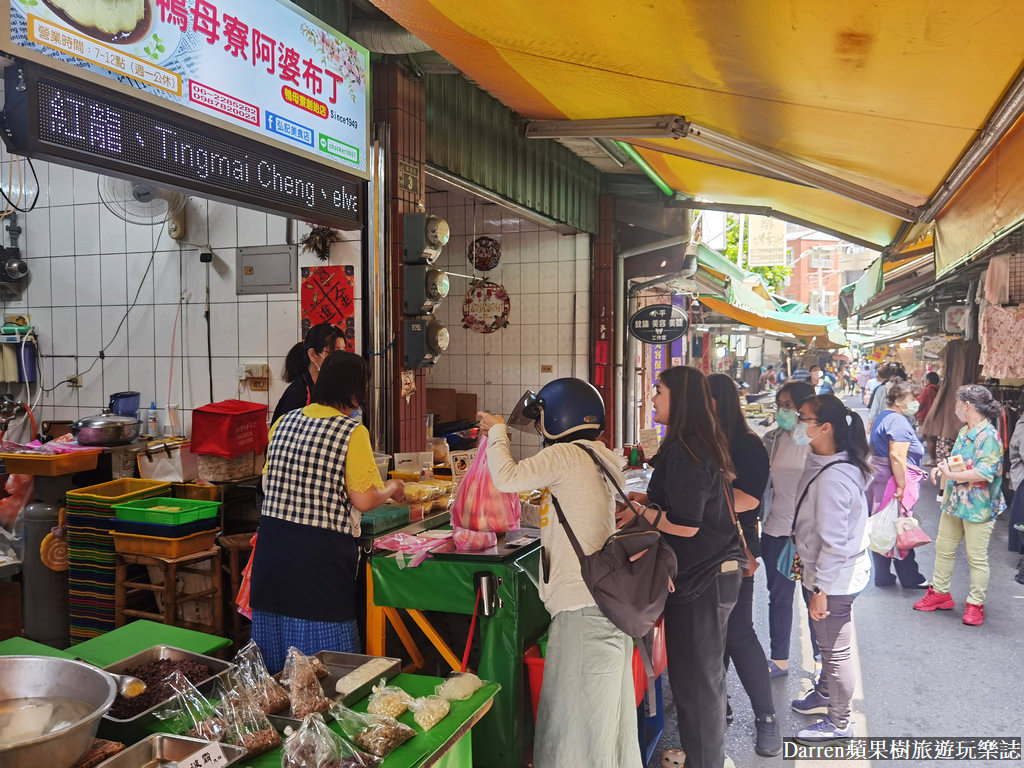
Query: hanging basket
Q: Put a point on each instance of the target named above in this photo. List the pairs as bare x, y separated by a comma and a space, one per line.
486, 307
484, 253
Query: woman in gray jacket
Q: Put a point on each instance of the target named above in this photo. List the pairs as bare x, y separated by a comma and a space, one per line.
830, 529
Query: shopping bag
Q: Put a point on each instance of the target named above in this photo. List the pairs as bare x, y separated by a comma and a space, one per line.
909, 533
229, 428
882, 528
168, 461
479, 505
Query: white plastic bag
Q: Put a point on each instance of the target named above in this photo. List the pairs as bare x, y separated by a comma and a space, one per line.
882, 528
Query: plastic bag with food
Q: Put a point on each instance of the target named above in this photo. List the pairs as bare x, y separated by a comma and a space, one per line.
473, 541
377, 734
190, 713
314, 745
388, 700
479, 505
428, 711
459, 686
248, 726
250, 673
304, 689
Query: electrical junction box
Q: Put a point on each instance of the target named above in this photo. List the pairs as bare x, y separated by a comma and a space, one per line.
423, 237
267, 269
425, 340
423, 288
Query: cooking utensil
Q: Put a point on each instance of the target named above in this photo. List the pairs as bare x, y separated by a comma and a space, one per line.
44, 676
128, 686
106, 428
160, 749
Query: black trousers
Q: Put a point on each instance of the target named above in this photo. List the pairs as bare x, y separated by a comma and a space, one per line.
695, 638
906, 570
744, 648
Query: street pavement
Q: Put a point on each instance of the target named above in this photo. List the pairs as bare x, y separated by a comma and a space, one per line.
918, 674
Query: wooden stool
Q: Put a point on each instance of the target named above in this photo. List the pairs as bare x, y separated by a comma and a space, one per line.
171, 568
236, 545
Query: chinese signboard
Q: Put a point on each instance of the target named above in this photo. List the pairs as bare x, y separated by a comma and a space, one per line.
327, 297
658, 324
261, 67
766, 244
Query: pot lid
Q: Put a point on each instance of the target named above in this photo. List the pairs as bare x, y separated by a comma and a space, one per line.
105, 419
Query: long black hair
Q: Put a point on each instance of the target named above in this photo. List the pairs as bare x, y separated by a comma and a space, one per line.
691, 420
729, 412
847, 429
319, 338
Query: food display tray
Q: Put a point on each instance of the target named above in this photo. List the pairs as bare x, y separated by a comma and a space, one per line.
217, 668
47, 465
338, 665
161, 749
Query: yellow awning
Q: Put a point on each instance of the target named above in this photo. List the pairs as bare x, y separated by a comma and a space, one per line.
886, 95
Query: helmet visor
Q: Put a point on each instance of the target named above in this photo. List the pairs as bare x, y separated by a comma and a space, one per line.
524, 416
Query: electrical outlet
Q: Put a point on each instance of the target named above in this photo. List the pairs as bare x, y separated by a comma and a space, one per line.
257, 371
259, 385
74, 381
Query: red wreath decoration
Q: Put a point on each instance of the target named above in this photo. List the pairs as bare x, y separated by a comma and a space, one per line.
484, 253
486, 307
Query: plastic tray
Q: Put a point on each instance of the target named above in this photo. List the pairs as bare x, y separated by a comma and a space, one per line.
197, 491
384, 518
134, 544
117, 491
165, 749
188, 510
165, 531
46, 465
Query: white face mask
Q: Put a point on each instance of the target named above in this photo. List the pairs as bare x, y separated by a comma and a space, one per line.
800, 436
912, 408
960, 411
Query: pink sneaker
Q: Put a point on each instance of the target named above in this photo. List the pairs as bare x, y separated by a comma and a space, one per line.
935, 601
974, 615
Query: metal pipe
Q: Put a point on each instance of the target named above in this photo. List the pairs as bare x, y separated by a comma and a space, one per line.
619, 285
379, 316
644, 166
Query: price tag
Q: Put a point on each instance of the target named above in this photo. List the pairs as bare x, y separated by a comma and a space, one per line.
210, 756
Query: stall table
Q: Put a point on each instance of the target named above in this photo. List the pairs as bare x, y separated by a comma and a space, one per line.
139, 635
445, 583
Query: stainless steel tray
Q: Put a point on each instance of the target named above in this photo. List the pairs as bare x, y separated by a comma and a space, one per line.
217, 667
161, 749
338, 665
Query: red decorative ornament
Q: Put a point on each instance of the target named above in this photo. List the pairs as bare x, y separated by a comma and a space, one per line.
484, 253
486, 307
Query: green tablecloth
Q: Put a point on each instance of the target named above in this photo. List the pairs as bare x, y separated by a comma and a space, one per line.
506, 732
133, 638
21, 646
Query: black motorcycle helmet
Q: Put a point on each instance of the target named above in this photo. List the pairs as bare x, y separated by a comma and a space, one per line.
569, 409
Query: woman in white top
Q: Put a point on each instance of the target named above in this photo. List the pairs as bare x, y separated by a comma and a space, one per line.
787, 466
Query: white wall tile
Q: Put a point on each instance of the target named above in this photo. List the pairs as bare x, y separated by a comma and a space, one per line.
65, 338
90, 396
282, 326
113, 279
529, 247
62, 185
567, 248
475, 369
510, 278
548, 245
37, 234
457, 370
223, 329
64, 395
474, 343
494, 370
197, 382
85, 187
87, 280
566, 276
565, 343
530, 279
277, 232
164, 322
142, 378
113, 233
225, 379
37, 292
510, 340
62, 231
566, 308
87, 229
223, 278
42, 319
548, 312
139, 237
116, 378
277, 384
163, 376
223, 225
252, 331
167, 285
115, 330
139, 280
510, 365
529, 339
90, 340
141, 331
252, 227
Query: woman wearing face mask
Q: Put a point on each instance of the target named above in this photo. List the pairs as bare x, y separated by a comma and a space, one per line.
830, 530
896, 459
971, 502
787, 460
302, 366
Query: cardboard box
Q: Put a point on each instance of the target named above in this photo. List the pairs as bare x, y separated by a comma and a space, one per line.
466, 406
443, 402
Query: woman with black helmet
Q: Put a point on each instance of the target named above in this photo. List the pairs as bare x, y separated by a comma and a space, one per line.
587, 711
302, 366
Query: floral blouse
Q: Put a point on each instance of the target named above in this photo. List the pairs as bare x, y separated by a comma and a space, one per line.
982, 451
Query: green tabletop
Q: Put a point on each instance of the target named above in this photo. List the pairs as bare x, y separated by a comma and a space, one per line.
22, 646
136, 637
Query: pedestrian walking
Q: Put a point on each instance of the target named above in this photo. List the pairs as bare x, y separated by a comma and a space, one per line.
888, 375
830, 530
741, 643
786, 462
896, 460
692, 472
971, 502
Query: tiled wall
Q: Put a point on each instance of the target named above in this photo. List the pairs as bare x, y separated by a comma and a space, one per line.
86, 267
547, 276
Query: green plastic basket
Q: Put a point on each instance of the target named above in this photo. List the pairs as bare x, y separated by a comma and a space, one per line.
186, 510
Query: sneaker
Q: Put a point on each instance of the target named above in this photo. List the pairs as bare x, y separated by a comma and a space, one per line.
935, 601
974, 615
774, 670
825, 729
811, 704
922, 585
768, 739
728, 763
728, 712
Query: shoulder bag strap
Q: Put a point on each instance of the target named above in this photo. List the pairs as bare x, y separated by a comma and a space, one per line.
803, 495
615, 485
568, 529
735, 520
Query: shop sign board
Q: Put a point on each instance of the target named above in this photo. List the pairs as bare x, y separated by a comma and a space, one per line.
263, 68
56, 117
766, 243
658, 324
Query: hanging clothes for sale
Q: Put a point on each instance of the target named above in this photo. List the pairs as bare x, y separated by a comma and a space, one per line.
959, 360
1002, 354
997, 280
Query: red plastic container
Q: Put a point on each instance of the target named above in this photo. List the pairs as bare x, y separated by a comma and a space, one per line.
534, 675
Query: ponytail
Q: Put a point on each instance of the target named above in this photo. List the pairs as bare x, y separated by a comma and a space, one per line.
319, 338
847, 429
295, 363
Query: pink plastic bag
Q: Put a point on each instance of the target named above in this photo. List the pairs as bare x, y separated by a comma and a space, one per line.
473, 541
478, 505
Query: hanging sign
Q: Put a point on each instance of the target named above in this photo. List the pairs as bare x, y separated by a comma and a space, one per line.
766, 242
263, 68
659, 324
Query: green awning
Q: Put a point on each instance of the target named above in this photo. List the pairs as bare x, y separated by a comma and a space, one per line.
869, 284
899, 314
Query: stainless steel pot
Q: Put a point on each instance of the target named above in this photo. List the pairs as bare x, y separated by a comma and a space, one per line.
106, 428
42, 676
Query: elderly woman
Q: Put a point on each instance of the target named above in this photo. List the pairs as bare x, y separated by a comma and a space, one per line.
320, 476
972, 501
896, 463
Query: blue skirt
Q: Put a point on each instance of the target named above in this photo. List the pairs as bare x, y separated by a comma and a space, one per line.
275, 634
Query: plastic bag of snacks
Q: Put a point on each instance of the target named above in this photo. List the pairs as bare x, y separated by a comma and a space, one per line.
248, 726
314, 745
459, 686
304, 689
479, 505
190, 713
388, 700
250, 673
428, 711
473, 541
377, 734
